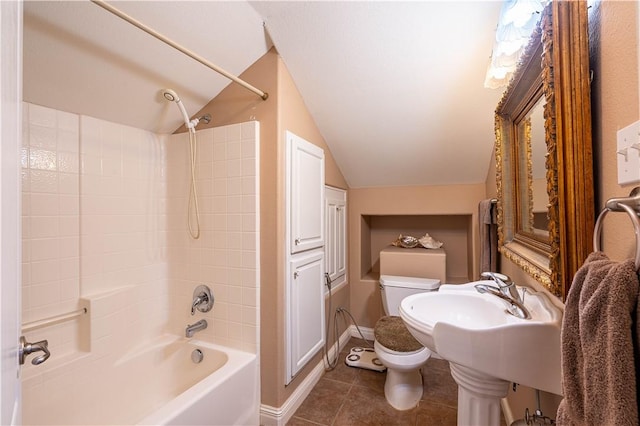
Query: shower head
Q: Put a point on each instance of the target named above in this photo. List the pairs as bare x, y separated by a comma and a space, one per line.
172, 96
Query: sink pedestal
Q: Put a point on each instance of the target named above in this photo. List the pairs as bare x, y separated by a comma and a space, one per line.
479, 396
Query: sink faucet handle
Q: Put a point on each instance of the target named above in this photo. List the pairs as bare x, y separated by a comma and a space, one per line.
501, 279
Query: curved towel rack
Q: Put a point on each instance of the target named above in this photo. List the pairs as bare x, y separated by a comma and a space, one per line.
631, 205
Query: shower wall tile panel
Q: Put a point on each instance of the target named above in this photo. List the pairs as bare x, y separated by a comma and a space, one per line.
50, 223
104, 223
122, 226
225, 256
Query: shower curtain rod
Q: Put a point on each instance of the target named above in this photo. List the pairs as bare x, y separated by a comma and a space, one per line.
176, 46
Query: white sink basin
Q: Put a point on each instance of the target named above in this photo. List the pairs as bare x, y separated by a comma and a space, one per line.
474, 330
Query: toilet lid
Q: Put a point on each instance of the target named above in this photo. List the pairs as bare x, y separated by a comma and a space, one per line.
391, 333
424, 284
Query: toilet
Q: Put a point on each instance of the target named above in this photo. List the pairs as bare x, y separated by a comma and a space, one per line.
395, 347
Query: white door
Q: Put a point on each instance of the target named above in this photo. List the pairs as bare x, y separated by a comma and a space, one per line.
306, 189
335, 235
306, 309
10, 226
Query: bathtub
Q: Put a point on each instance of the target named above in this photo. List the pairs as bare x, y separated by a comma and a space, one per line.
159, 384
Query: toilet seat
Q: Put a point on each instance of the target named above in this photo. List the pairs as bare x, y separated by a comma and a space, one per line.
396, 347
392, 333
401, 360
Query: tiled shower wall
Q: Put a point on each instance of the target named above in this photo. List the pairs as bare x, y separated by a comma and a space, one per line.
50, 221
225, 256
104, 225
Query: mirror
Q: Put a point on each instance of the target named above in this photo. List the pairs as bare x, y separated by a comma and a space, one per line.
544, 165
532, 179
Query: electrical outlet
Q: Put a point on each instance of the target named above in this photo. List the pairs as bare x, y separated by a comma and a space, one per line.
629, 154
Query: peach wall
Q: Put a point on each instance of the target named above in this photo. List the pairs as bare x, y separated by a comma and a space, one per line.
614, 38
283, 110
235, 104
294, 116
616, 104
366, 305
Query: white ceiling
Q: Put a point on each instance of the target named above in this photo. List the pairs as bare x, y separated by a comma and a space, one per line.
396, 88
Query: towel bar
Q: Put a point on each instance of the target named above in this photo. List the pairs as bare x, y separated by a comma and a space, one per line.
30, 326
629, 204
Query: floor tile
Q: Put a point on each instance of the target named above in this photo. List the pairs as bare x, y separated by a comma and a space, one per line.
365, 406
324, 401
439, 386
342, 372
436, 414
371, 379
353, 396
297, 421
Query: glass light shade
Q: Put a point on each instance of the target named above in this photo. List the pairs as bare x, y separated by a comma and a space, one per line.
518, 18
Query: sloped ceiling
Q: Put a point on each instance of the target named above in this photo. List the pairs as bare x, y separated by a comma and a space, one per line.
396, 88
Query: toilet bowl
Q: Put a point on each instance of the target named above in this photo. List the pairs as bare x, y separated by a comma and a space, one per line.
395, 347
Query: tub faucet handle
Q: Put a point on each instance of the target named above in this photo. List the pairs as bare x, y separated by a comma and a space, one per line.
196, 302
202, 299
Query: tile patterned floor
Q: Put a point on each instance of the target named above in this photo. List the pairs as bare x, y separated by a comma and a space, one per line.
353, 396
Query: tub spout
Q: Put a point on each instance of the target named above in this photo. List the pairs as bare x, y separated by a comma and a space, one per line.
192, 328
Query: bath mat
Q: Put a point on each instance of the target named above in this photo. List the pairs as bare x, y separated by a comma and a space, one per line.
364, 358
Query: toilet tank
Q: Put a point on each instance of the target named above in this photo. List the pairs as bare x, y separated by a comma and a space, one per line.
395, 288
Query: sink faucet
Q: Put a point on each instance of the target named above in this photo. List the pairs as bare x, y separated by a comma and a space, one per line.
505, 285
507, 291
192, 328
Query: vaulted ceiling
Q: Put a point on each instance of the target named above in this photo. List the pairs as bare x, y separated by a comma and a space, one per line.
396, 88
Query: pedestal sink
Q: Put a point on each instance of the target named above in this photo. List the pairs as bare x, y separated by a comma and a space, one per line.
486, 346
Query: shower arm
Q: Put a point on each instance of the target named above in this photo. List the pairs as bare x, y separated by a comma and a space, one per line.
193, 123
192, 55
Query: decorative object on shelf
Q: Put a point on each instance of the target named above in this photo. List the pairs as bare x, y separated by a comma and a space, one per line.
406, 241
426, 241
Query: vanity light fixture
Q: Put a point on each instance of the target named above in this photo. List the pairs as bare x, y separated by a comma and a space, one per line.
517, 20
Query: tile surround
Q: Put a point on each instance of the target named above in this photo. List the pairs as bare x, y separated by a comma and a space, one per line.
50, 186
225, 255
104, 208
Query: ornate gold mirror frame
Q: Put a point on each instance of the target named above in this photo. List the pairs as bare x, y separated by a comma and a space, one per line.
555, 66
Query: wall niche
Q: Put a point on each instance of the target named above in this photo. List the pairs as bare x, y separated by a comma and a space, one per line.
379, 231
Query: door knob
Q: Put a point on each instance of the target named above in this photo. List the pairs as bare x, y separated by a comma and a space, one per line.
27, 348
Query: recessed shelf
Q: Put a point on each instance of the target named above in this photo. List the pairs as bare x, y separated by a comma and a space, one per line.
378, 231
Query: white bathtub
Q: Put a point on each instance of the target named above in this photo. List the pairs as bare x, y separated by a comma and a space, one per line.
159, 384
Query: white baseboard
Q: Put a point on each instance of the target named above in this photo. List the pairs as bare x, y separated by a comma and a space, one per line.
366, 332
272, 416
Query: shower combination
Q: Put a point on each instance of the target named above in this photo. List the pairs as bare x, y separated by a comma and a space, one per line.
172, 96
193, 210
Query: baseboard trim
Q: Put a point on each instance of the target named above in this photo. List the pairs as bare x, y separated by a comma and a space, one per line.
273, 416
367, 332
